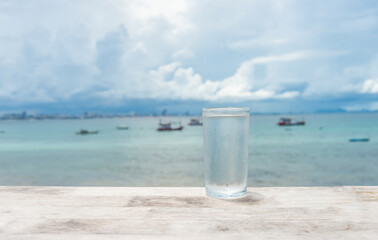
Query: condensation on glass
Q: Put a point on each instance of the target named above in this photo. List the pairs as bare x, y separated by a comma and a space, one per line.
225, 140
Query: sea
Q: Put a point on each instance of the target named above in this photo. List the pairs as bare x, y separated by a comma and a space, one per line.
48, 152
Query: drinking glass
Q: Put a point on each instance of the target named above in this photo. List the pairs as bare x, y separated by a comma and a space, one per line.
225, 141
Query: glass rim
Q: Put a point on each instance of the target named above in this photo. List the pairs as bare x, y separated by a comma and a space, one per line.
226, 109
225, 112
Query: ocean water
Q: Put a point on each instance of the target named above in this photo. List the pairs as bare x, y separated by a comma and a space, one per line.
50, 153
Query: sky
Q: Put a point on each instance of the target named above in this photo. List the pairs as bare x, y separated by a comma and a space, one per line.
145, 56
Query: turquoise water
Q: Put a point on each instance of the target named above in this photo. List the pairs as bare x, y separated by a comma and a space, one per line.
50, 153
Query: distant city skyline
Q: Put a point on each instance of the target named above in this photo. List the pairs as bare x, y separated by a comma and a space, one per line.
24, 115
71, 57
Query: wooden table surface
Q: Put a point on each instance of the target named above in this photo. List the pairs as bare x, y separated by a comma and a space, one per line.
186, 213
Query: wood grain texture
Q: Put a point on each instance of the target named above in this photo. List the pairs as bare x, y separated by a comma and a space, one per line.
186, 213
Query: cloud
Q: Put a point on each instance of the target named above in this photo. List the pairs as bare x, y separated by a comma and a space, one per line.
282, 58
370, 86
173, 81
183, 54
257, 42
182, 50
370, 106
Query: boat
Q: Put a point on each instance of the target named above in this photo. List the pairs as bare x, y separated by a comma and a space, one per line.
359, 140
86, 132
288, 122
168, 127
122, 128
195, 122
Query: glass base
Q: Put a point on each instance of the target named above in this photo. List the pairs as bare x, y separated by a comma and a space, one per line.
225, 195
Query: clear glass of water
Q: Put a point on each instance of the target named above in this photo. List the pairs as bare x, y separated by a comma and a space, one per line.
225, 141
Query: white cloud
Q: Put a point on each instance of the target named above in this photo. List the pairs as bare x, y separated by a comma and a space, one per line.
172, 81
139, 46
256, 50
183, 54
370, 86
282, 58
258, 42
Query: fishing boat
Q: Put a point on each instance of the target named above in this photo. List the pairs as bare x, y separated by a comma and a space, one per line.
168, 127
122, 128
86, 132
359, 140
195, 122
288, 122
